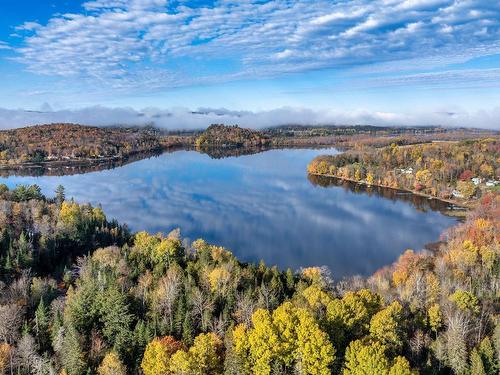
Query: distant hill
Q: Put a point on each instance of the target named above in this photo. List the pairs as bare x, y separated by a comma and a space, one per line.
54, 142
231, 137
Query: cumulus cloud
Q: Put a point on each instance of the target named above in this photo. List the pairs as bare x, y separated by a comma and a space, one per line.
130, 43
183, 118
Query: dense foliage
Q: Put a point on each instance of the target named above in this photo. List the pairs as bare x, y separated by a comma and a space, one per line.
231, 136
155, 304
70, 141
42, 235
77, 146
436, 168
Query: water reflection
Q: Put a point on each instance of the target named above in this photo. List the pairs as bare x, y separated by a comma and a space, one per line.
68, 169
261, 206
419, 202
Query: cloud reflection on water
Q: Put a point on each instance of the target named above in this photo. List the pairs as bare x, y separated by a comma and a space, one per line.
260, 206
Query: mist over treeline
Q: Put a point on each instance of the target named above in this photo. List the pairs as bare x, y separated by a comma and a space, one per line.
186, 119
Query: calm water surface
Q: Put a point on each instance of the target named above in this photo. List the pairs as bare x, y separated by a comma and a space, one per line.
260, 206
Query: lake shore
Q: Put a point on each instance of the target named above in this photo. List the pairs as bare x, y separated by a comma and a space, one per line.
464, 206
102, 163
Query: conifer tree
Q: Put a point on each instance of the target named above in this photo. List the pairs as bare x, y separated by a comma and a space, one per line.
72, 356
42, 324
476, 363
60, 195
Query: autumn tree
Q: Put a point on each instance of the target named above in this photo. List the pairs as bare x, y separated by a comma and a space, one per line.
364, 358
386, 326
112, 365
289, 337
5, 357
156, 359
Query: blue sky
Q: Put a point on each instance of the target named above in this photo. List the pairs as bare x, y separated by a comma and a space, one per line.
336, 61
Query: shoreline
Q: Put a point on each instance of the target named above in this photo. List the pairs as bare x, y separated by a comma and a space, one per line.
88, 162
140, 155
462, 205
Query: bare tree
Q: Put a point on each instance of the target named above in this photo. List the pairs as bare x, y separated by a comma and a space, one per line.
167, 292
10, 322
26, 354
218, 325
267, 296
418, 343
143, 286
19, 289
245, 307
456, 334
97, 347
202, 307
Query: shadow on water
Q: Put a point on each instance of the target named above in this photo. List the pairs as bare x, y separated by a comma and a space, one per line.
76, 167
422, 204
228, 152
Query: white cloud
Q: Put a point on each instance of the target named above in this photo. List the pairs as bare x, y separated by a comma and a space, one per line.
4, 45
28, 26
113, 42
183, 118
448, 78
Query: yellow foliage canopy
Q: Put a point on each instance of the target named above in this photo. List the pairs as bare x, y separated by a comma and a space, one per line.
290, 336
111, 365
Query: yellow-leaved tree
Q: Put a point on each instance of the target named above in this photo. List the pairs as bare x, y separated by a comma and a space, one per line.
367, 356
112, 365
364, 358
157, 356
386, 326
290, 339
314, 351
263, 340
401, 366
349, 317
205, 357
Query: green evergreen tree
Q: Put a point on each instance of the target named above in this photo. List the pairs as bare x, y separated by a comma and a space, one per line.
60, 195
116, 319
141, 337
24, 251
8, 267
180, 315
187, 330
72, 357
42, 324
290, 281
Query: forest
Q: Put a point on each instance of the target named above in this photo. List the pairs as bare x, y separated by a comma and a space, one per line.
55, 142
462, 169
223, 136
80, 294
76, 146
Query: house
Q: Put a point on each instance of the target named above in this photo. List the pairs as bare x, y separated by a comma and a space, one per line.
407, 170
476, 180
491, 183
456, 194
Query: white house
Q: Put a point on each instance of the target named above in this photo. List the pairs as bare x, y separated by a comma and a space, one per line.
407, 170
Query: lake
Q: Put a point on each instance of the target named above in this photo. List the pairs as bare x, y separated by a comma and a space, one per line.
260, 206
